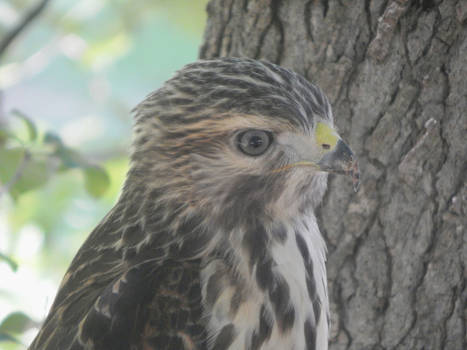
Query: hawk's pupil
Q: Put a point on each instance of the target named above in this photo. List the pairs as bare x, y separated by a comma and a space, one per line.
254, 142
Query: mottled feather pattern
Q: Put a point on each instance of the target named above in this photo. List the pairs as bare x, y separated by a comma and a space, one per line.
206, 248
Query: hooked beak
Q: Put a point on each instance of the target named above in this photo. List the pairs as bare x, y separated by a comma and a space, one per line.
341, 160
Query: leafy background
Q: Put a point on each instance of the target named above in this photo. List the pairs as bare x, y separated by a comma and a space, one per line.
67, 86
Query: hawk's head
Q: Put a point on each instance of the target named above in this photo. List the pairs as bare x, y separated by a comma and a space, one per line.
238, 138
214, 227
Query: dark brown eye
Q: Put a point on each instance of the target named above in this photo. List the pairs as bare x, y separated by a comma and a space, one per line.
326, 146
254, 142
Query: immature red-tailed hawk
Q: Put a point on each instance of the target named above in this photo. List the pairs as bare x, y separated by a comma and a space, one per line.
213, 243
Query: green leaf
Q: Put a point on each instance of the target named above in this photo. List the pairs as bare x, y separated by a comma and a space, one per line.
6, 134
16, 323
32, 129
71, 158
20, 172
53, 139
35, 175
9, 261
96, 180
10, 159
8, 338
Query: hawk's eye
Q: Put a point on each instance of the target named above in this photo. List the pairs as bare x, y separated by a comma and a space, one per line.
254, 142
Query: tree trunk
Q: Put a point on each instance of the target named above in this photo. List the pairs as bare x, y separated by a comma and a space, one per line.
396, 74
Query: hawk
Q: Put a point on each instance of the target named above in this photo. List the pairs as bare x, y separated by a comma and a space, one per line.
213, 243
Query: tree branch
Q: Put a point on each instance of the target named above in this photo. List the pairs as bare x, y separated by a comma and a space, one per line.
16, 30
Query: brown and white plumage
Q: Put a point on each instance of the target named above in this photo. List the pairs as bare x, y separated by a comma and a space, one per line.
213, 243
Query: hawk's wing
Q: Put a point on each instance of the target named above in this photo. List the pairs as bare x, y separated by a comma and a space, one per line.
109, 301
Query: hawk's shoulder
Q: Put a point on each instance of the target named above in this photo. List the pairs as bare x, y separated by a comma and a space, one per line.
120, 296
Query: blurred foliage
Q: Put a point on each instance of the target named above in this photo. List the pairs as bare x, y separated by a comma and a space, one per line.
67, 86
27, 164
14, 325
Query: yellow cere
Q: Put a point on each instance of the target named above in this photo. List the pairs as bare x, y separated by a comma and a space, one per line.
326, 135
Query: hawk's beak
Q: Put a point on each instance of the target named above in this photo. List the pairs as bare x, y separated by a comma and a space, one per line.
341, 160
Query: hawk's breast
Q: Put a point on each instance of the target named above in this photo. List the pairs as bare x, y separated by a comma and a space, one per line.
271, 297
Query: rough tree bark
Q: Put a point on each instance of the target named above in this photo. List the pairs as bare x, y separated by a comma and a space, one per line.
396, 74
